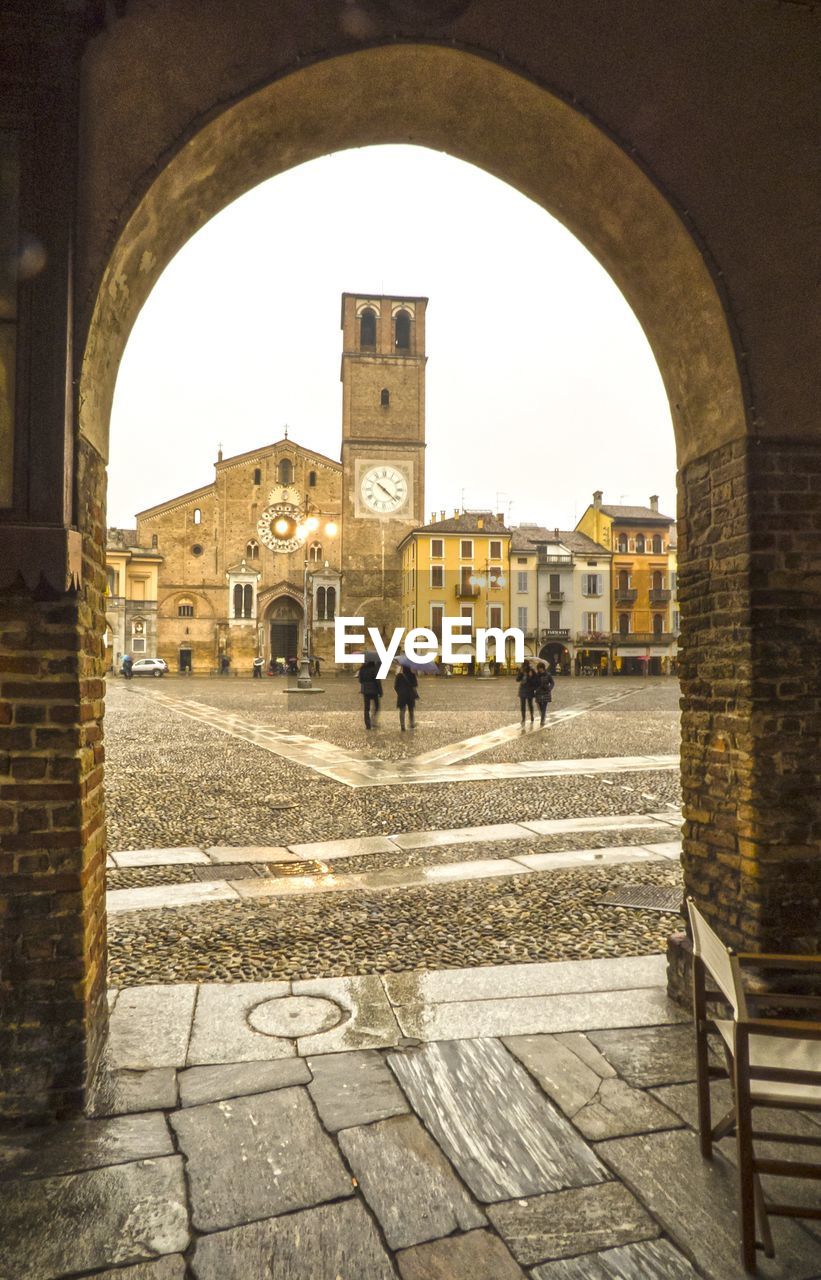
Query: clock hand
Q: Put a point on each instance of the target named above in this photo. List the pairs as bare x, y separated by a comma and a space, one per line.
384, 490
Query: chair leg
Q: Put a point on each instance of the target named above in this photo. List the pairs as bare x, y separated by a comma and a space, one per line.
705, 1123
763, 1220
744, 1147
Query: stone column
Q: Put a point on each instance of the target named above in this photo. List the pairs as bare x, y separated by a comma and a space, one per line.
750, 589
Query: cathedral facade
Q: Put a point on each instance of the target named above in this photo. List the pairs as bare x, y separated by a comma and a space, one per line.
285, 538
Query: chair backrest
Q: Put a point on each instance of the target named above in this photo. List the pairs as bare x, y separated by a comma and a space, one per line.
719, 960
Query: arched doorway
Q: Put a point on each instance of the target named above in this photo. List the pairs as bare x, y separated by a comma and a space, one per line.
557, 656
283, 625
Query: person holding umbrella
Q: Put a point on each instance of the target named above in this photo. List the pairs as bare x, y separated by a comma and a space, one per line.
407, 690
371, 688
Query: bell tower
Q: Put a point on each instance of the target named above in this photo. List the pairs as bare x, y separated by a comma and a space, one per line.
383, 444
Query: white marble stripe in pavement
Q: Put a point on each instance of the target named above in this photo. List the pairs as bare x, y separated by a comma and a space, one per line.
328, 850
357, 771
201, 894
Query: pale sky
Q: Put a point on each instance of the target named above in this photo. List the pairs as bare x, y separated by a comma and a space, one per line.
541, 386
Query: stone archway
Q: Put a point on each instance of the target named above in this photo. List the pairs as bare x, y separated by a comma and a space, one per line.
149, 179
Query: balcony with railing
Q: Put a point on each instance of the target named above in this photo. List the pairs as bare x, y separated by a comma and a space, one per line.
464, 591
554, 597
543, 557
660, 595
593, 638
555, 633
626, 595
644, 638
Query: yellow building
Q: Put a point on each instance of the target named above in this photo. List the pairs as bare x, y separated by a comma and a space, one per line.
457, 568
132, 581
641, 622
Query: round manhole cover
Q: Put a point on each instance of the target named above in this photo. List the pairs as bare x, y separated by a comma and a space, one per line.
292, 1016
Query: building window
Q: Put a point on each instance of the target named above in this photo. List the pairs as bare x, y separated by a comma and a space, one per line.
495, 550
640, 545
622, 544
238, 600
624, 580
196, 550
466, 612
673, 581
154, 540
437, 613
330, 604
138, 636
592, 584
437, 548
658, 580
315, 552
402, 331
554, 617
496, 615
257, 475
248, 600
197, 516
185, 609
658, 545
285, 471
521, 580
437, 576
521, 559
367, 328
592, 622
111, 583
676, 620
252, 550
311, 479
658, 624
495, 575
624, 624
466, 549
320, 604
385, 398
521, 619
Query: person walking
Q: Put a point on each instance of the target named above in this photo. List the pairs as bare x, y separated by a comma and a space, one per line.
259, 663
371, 689
128, 666
407, 693
544, 689
527, 680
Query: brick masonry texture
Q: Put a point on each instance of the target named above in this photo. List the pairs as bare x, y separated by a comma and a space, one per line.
52, 834
751, 682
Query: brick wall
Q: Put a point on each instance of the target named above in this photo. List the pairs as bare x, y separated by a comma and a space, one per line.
52, 837
750, 591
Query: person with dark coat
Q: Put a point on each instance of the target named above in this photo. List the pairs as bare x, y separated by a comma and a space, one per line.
527, 681
128, 666
407, 693
371, 689
544, 688
258, 664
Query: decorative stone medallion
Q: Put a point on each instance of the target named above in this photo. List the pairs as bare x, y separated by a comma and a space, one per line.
291, 1016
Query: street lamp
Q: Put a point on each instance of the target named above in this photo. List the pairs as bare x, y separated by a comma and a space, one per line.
490, 581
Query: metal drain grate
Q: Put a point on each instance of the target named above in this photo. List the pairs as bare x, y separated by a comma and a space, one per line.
645, 897
295, 869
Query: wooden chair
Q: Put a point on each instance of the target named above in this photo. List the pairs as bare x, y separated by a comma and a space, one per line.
772, 1061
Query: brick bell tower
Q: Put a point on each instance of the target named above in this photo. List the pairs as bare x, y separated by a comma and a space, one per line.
383, 447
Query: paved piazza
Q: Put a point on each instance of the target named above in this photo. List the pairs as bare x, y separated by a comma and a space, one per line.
257, 834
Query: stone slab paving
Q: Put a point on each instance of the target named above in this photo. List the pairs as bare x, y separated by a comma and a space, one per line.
567, 1223
591, 1095
129, 1212
274, 1158
123, 1092
694, 1200
354, 1088
182, 855
171, 1267
527, 1148
150, 1026
533, 1014
512, 981
84, 1144
193, 894
221, 1030
332, 1242
475, 1256
407, 1182
645, 1058
650, 1260
232, 854
236, 1079
370, 1022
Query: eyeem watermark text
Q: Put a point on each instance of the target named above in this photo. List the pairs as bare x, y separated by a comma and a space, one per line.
421, 644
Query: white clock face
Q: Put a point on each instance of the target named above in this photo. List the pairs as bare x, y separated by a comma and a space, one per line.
384, 489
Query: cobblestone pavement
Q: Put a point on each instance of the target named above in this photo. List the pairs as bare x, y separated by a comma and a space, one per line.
528, 1122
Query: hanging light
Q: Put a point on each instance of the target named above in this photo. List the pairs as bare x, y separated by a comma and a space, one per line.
330, 528
311, 523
